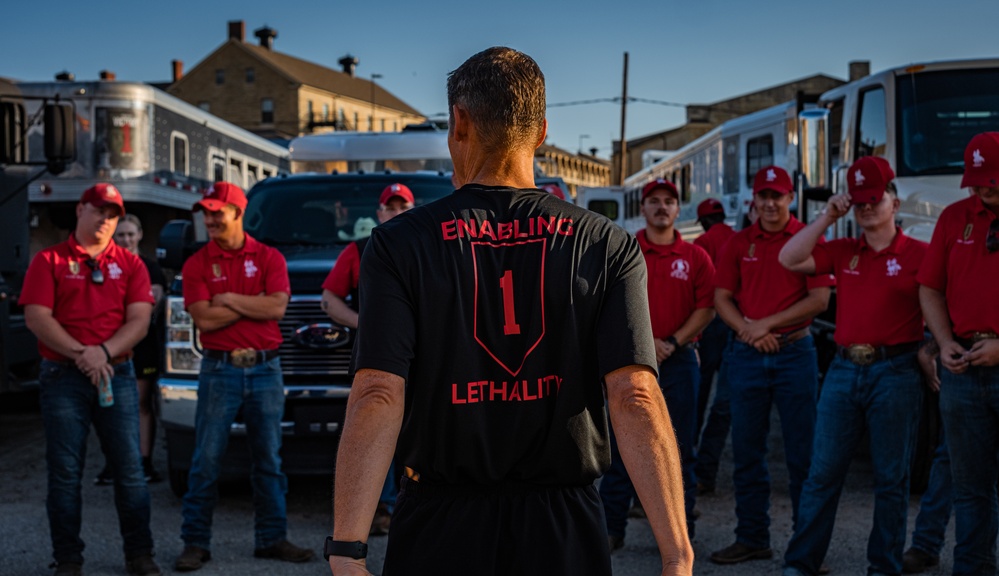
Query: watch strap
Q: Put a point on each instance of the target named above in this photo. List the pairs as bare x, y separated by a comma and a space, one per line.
672, 340
356, 550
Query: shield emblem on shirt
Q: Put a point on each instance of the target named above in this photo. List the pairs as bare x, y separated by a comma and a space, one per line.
752, 250
509, 317
216, 270
967, 231
74, 267
853, 262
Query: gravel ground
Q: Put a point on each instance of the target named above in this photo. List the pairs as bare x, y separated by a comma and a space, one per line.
25, 548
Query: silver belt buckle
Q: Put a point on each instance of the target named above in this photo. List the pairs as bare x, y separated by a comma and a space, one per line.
243, 357
861, 354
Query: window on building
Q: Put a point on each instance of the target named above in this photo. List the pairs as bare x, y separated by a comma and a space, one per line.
178, 154
251, 76
220, 76
326, 112
383, 124
308, 111
206, 106
218, 168
357, 121
759, 153
872, 130
267, 111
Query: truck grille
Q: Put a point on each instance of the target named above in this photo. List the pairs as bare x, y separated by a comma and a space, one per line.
297, 360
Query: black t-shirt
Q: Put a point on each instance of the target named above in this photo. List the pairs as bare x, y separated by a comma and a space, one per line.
503, 309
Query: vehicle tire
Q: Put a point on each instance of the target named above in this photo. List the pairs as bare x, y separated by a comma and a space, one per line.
178, 480
927, 439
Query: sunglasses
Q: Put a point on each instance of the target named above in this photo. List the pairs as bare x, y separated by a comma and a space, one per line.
96, 276
992, 240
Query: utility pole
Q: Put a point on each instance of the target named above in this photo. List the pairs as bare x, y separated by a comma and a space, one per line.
624, 108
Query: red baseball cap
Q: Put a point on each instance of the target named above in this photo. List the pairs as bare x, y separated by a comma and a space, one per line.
981, 161
100, 195
709, 207
396, 190
660, 183
554, 189
867, 179
220, 194
772, 178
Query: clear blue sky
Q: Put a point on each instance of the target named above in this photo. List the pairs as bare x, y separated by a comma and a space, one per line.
689, 51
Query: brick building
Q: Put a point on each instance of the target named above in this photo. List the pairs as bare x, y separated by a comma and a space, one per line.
280, 96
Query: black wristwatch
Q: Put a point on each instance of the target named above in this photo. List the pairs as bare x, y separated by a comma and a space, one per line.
355, 550
672, 340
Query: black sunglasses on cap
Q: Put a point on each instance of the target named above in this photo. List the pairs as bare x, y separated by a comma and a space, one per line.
96, 275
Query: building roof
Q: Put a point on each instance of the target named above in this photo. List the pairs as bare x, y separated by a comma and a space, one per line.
311, 74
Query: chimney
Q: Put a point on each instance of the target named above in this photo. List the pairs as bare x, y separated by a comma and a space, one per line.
859, 69
178, 69
237, 30
107, 75
348, 63
65, 76
266, 36
593, 151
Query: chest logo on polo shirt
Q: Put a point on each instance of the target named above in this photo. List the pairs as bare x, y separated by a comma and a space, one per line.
967, 231
250, 268
681, 268
853, 262
114, 270
216, 270
74, 267
894, 267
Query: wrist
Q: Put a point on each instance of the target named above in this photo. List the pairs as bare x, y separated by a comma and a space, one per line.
107, 354
672, 341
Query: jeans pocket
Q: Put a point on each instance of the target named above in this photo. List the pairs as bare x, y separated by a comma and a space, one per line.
50, 371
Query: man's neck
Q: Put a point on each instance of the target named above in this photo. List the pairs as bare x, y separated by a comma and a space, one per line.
660, 236
776, 227
91, 245
232, 241
881, 236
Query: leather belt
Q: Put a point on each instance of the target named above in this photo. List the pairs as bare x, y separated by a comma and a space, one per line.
114, 361
867, 354
242, 357
792, 337
969, 341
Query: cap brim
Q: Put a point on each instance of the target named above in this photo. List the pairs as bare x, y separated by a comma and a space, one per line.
988, 181
101, 204
866, 197
777, 190
209, 204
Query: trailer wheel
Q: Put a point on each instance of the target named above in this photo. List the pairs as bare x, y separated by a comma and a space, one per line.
178, 480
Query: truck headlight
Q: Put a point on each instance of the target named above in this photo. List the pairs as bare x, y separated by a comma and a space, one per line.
183, 347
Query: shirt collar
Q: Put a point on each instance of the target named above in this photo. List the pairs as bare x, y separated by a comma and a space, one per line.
77, 249
250, 246
792, 226
647, 246
898, 243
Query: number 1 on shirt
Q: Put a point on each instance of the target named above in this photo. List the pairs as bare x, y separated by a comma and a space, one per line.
510, 325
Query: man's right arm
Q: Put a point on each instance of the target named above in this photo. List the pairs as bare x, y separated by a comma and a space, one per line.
44, 326
209, 318
648, 447
338, 311
935, 312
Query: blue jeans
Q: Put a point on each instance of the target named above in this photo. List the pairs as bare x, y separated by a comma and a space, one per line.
223, 390
936, 504
69, 406
678, 379
882, 399
788, 379
714, 342
969, 407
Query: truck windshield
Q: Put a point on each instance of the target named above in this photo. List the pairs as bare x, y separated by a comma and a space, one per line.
938, 113
325, 211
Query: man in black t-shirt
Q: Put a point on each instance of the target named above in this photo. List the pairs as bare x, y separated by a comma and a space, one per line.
494, 321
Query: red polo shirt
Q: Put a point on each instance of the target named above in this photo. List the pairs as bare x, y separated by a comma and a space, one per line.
343, 278
958, 265
680, 281
713, 240
59, 279
252, 270
876, 292
749, 268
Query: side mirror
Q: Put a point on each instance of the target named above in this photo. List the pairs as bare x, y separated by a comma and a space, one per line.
60, 136
176, 238
13, 144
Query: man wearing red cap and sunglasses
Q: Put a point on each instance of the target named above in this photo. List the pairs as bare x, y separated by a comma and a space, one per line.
89, 301
342, 282
236, 289
873, 383
961, 266
772, 360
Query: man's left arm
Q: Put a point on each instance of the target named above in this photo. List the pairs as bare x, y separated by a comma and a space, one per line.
259, 307
813, 304
370, 432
